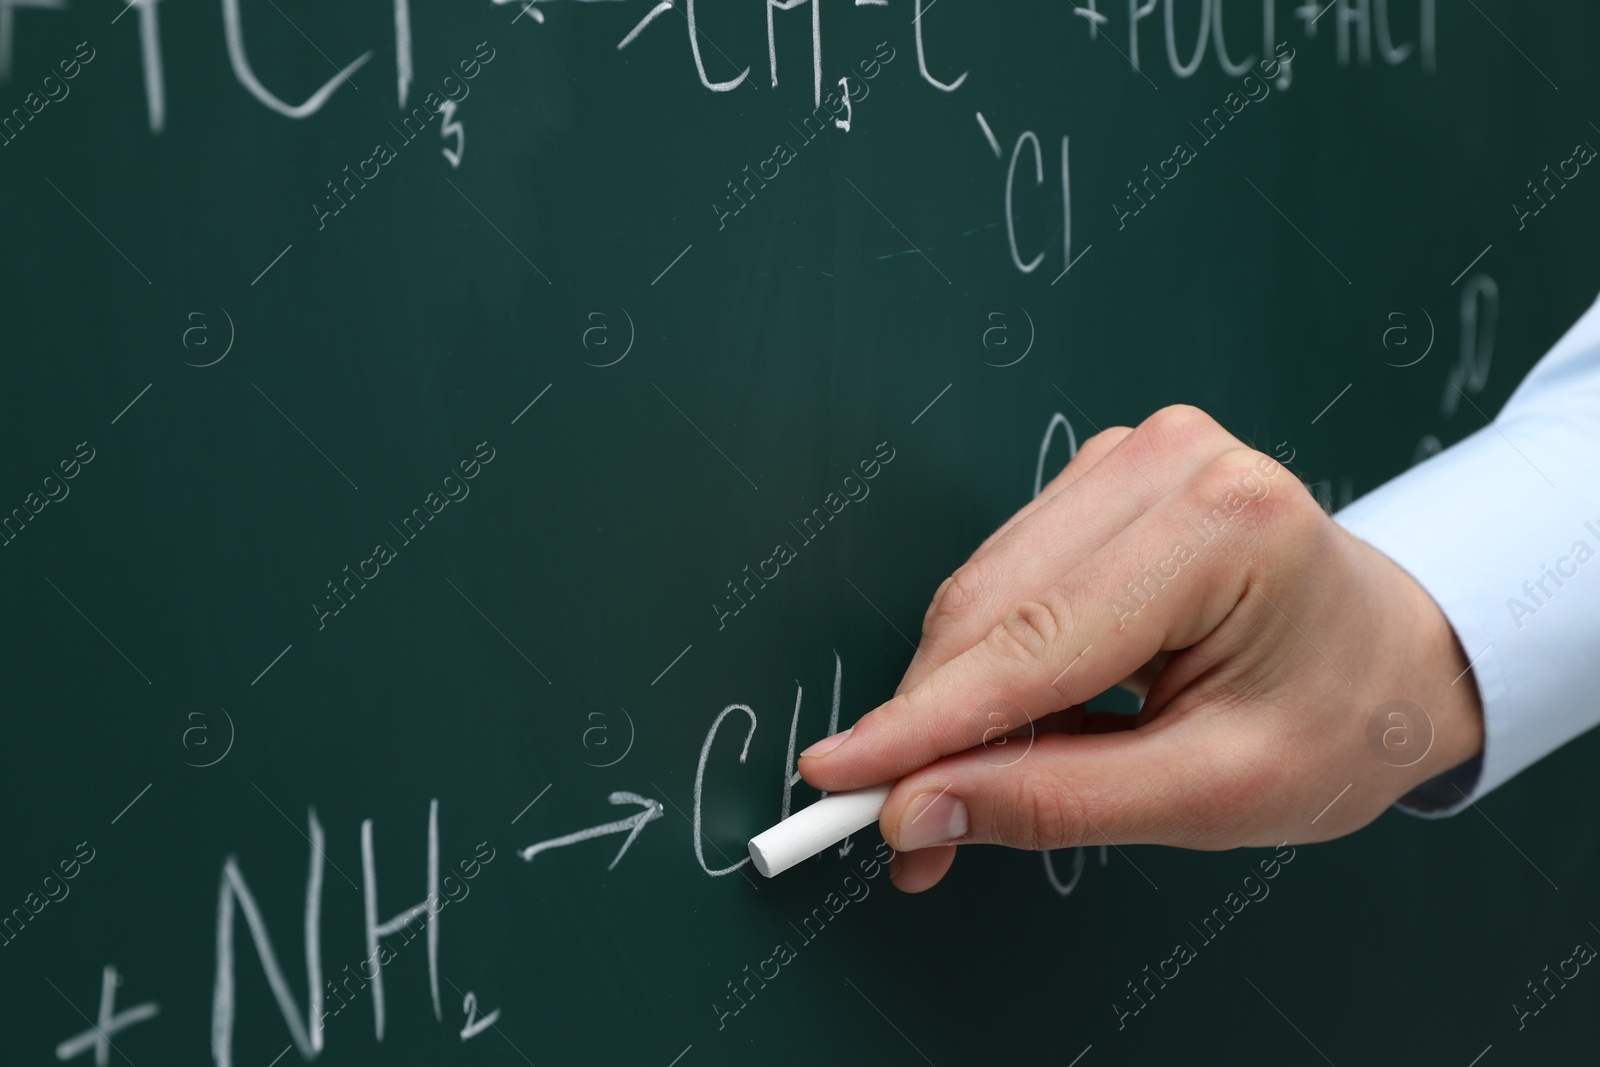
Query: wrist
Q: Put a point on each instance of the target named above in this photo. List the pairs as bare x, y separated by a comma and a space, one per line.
1431, 670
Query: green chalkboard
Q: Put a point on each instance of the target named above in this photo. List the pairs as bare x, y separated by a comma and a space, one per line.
398, 397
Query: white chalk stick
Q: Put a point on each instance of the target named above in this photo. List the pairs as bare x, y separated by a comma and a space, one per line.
810, 830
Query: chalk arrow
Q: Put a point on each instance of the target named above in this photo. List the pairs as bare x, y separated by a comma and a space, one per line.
844, 849
633, 824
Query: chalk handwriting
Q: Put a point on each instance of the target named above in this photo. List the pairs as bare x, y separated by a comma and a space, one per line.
308, 1034
1065, 888
1031, 139
235, 892
108, 1024
402, 50
7, 16
791, 776
452, 125
661, 8
306, 1020
922, 56
816, 44
453, 889
1480, 314
155, 89
427, 912
699, 61
342, 189
1364, 31
474, 1025
700, 781
811, 126
1056, 419
1027, 137
233, 31
633, 826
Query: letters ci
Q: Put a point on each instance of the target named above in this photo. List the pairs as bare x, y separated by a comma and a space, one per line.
1031, 140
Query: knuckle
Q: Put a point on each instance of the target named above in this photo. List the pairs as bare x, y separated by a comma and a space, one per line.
1214, 482
1032, 630
1292, 507
1036, 811
1089, 455
1282, 518
1239, 489
955, 599
1055, 816
1100, 445
1282, 509
1180, 422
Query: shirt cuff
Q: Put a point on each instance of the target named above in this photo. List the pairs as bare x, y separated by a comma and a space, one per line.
1503, 530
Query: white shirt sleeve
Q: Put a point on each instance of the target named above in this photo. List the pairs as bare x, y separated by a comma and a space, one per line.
1503, 531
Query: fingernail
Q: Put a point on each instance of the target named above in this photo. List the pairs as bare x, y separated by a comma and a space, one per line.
827, 744
932, 819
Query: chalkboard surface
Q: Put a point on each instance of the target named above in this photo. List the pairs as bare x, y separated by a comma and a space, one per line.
434, 451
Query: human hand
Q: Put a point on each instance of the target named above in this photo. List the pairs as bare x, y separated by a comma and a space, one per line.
1178, 562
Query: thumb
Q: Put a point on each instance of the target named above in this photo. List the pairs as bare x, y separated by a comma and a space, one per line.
1053, 791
